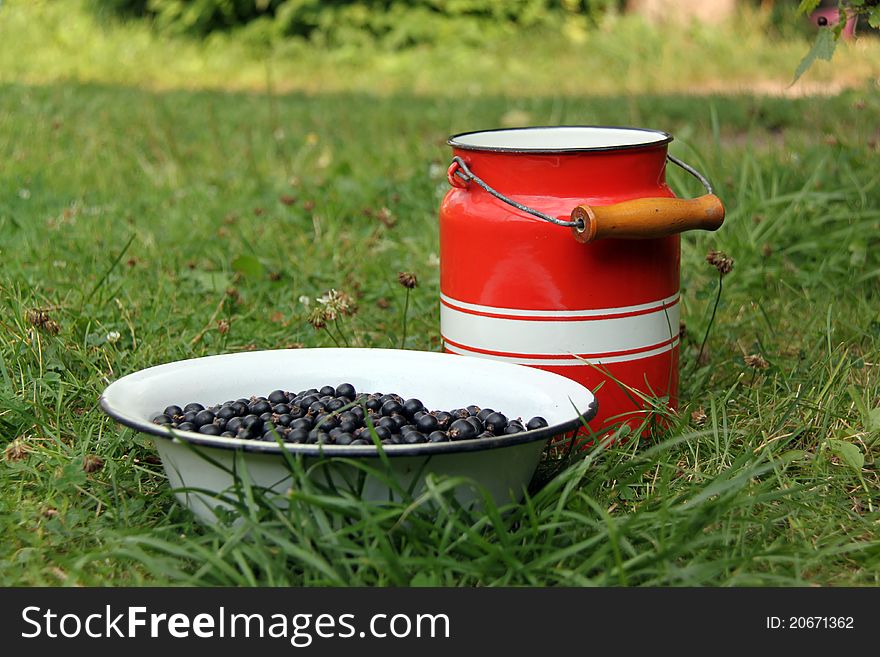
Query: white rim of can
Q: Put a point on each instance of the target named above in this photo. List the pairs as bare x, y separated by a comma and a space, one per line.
559, 139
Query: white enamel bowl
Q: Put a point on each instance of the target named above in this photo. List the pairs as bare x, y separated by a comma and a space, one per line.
503, 465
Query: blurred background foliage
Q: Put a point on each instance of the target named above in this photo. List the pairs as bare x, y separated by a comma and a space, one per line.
405, 23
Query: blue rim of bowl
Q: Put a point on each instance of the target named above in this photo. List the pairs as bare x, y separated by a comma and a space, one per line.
453, 140
357, 451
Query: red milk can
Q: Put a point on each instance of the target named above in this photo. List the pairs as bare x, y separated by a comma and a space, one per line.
559, 249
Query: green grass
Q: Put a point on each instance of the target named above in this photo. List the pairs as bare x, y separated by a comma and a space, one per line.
122, 210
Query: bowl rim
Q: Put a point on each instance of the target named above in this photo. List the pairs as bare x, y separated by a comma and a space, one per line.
356, 451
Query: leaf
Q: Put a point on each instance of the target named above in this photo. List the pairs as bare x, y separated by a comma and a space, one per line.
872, 419
848, 453
808, 6
823, 48
874, 17
248, 266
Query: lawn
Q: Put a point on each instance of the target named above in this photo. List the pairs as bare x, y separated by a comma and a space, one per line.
127, 204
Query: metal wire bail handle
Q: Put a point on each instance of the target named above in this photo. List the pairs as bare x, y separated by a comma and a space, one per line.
460, 169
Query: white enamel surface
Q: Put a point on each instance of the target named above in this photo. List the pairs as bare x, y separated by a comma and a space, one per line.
441, 381
559, 138
579, 361
586, 312
504, 473
599, 340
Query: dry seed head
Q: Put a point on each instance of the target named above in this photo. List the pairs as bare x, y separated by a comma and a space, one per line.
92, 463
721, 261
42, 320
698, 417
335, 303
757, 361
318, 317
223, 326
15, 451
388, 220
407, 279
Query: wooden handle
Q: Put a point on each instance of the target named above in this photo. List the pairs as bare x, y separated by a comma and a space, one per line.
647, 217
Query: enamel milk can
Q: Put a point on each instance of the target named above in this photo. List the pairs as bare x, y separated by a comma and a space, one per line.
559, 249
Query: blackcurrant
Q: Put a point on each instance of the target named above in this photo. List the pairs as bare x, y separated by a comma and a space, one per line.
302, 423
326, 422
308, 400
462, 430
284, 420
316, 436
391, 407
427, 423
195, 407
281, 409
514, 426
438, 437
478, 426
349, 426
186, 426
249, 421
162, 418
335, 404
444, 419
414, 438
536, 422
345, 390
277, 396
297, 436
388, 423
496, 422
234, 424
328, 390
483, 414
261, 406
226, 412
344, 438
173, 411
412, 406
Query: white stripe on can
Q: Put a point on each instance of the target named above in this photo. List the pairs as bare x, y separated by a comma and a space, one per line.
567, 362
600, 339
590, 312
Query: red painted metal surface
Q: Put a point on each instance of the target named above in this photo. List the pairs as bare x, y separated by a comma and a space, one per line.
517, 288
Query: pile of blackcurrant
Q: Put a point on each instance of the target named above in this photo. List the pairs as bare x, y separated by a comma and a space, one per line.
341, 416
